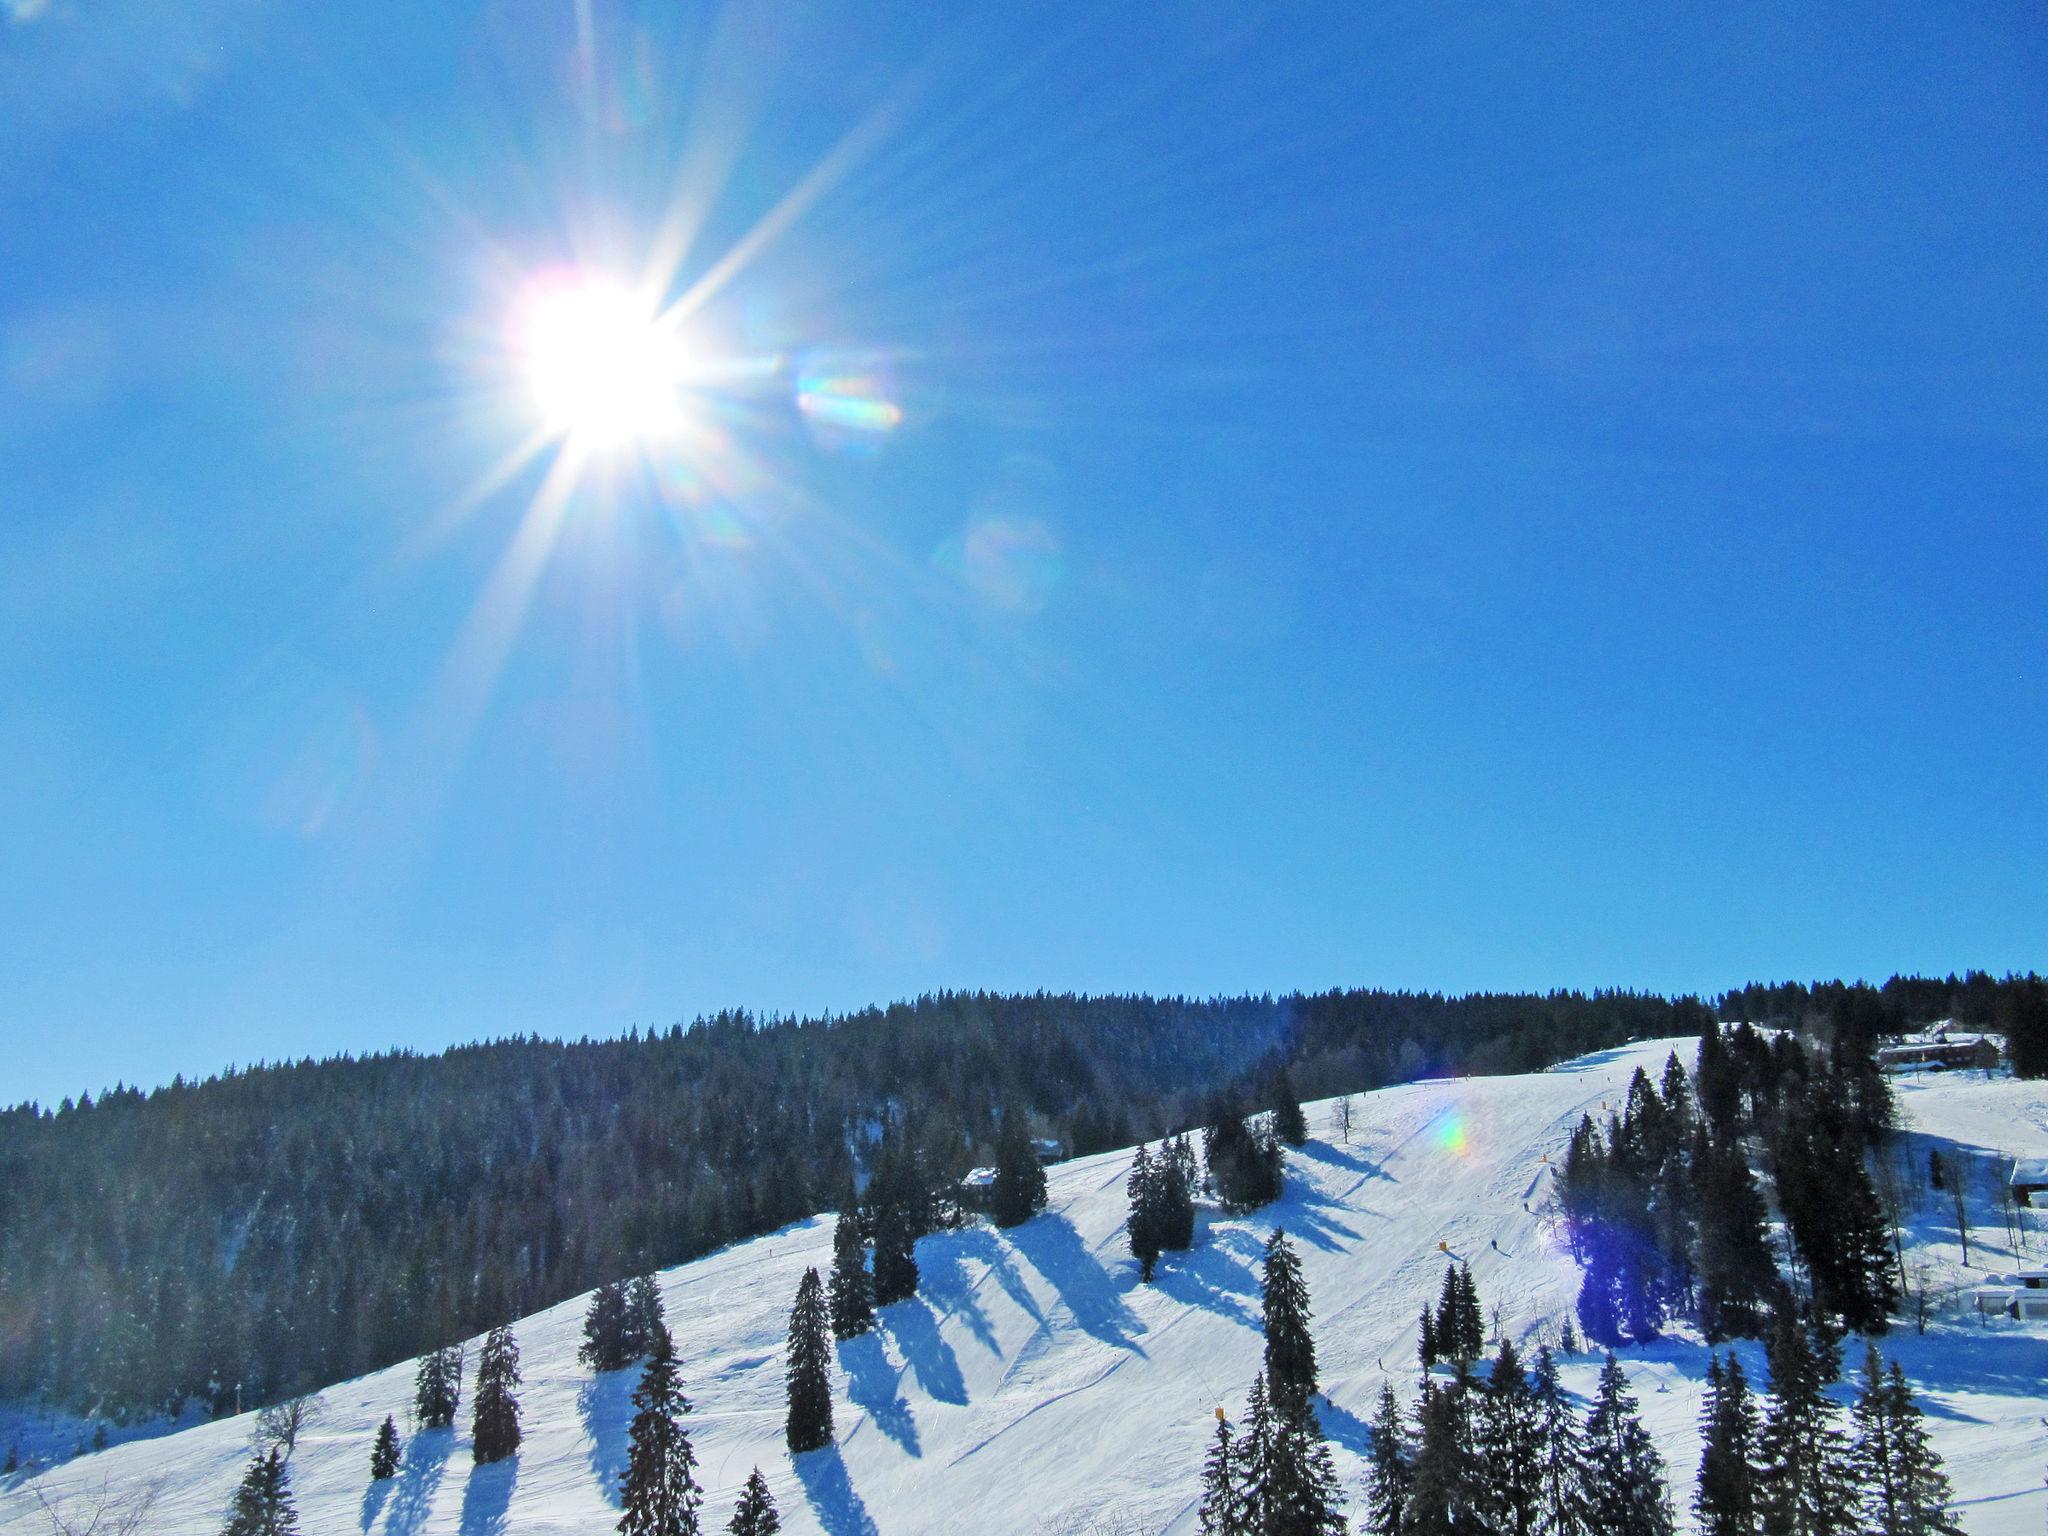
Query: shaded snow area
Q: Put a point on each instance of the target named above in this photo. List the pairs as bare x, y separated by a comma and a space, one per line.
1034, 1385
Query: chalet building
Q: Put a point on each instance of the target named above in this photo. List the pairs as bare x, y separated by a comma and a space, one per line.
2023, 1295
2029, 1180
1939, 1049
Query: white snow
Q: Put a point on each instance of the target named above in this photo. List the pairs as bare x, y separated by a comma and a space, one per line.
1034, 1385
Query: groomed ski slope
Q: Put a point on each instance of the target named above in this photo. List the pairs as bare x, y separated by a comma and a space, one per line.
1034, 1385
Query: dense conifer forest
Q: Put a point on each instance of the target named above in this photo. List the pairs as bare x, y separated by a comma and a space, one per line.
284, 1226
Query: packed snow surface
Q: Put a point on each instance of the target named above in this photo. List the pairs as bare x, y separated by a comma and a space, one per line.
1034, 1385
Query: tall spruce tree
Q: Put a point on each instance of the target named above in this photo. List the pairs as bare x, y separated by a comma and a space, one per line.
1563, 1478
1894, 1468
1289, 1123
1510, 1436
1725, 1503
1175, 1169
1626, 1494
852, 1288
1144, 1223
1446, 1483
755, 1514
1805, 1489
660, 1493
263, 1503
1223, 1511
1390, 1469
1737, 1276
1289, 1485
494, 1433
384, 1453
1428, 1348
645, 1317
1290, 1351
437, 1387
1019, 1190
895, 1255
808, 1360
607, 1330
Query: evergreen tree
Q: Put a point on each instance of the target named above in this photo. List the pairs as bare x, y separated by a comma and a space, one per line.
853, 1288
755, 1514
1510, 1439
263, 1502
1223, 1511
1390, 1470
1144, 1223
384, 1454
1725, 1503
1447, 1485
437, 1387
1289, 1486
1471, 1321
1427, 1348
1175, 1169
1894, 1468
660, 1493
1289, 1123
810, 1381
1805, 1489
494, 1434
1625, 1489
1459, 1328
1019, 1192
1290, 1352
645, 1317
1737, 1276
1562, 1503
895, 1256
607, 1329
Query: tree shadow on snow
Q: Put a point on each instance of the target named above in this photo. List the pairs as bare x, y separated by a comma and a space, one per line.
839, 1509
1085, 1288
374, 1498
1357, 1161
605, 1404
1344, 1427
871, 1387
925, 1350
1212, 1278
487, 1496
943, 1278
426, 1459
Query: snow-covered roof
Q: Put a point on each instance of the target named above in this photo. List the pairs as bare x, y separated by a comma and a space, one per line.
2030, 1170
978, 1178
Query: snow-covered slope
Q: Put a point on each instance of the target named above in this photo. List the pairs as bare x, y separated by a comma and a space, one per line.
1034, 1385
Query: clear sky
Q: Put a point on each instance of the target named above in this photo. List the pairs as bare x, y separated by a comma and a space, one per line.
1167, 498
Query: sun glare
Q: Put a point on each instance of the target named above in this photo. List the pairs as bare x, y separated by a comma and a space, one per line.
602, 365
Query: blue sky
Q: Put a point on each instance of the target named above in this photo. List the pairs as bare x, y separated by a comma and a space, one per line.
1440, 496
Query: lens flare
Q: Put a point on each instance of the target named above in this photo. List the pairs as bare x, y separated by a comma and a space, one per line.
1451, 1134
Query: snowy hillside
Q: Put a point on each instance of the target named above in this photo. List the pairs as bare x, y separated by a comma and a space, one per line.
1034, 1384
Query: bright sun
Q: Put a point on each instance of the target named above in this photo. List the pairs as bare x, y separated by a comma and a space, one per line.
602, 365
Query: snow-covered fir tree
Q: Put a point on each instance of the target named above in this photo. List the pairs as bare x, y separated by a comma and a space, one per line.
808, 1362
660, 1496
1626, 1494
755, 1514
1447, 1483
494, 1434
895, 1255
1143, 1227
